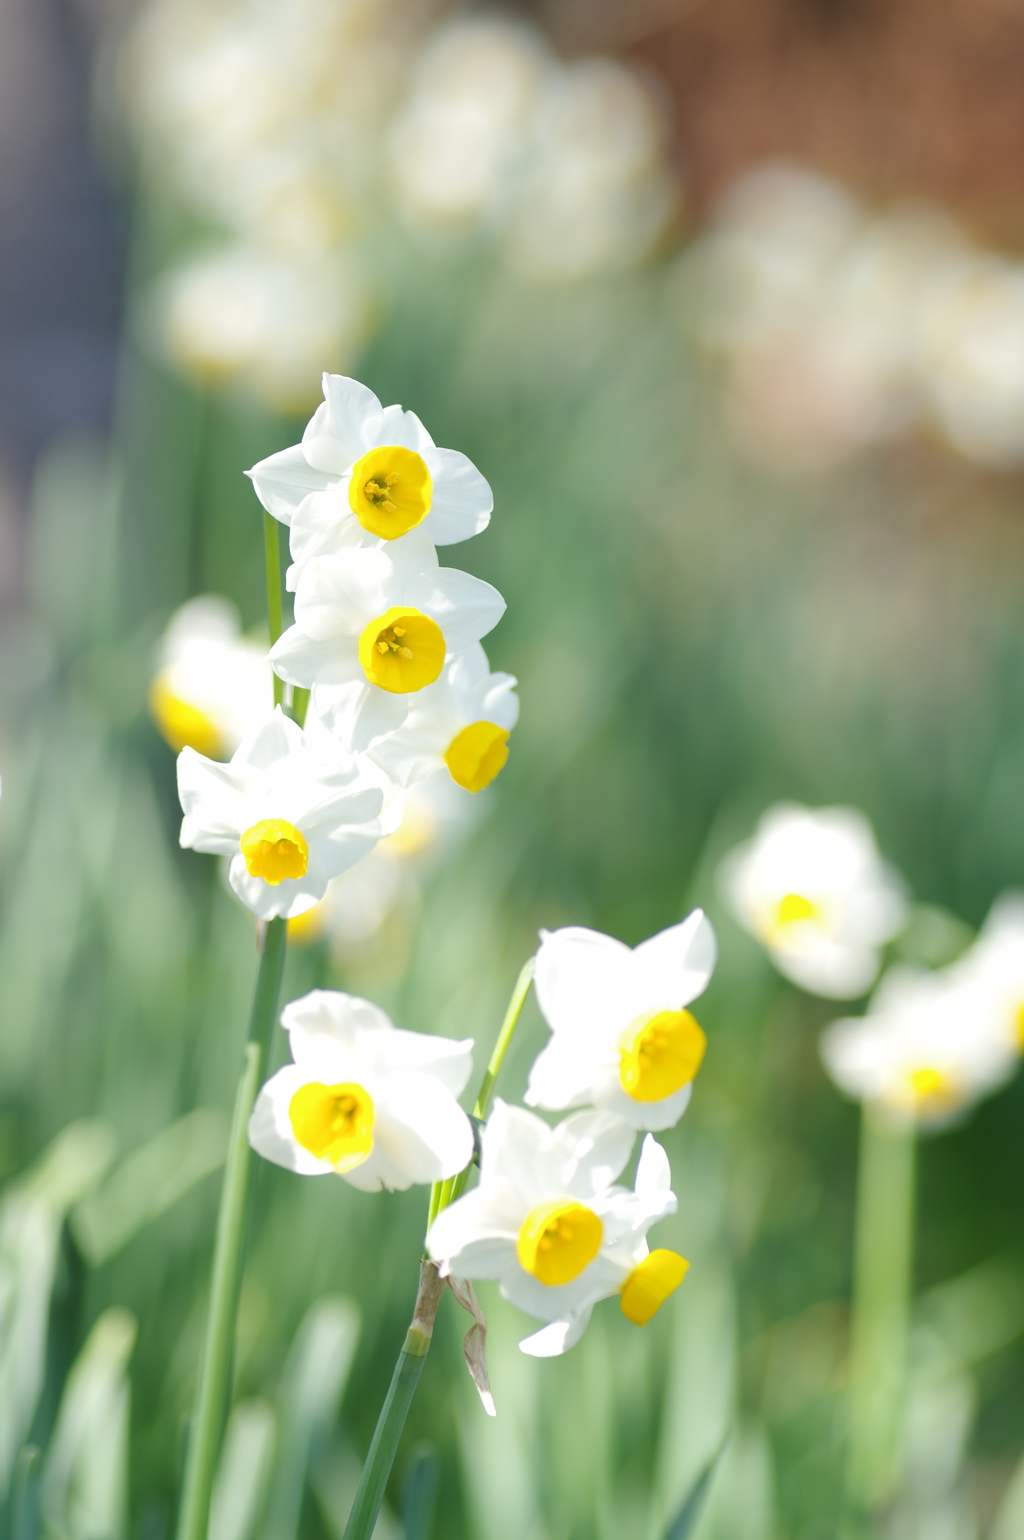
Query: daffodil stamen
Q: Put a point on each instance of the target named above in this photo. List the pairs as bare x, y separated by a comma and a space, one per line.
275, 850
402, 650
334, 1122
661, 1053
390, 491
650, 1284
558, 1240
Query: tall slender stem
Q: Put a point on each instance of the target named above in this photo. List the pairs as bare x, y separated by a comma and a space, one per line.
275, 611
883, 1260
229, 1249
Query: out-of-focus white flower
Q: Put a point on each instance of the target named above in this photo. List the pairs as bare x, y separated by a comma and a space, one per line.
213, 686
460, 723
621, 1037
923, 1054
380, 622
991, 972
813, 888
363, 1099
972, 357
288, 820
548, 1224
244, 319
378, 474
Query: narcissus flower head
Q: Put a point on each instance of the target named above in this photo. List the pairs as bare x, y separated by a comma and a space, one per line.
621, 1036
363, 1099
813, 888
378, 474
547, 1222
287, 819
382, 621
923, 1054
213, 686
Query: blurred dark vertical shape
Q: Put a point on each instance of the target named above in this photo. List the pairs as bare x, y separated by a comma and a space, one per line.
61, 254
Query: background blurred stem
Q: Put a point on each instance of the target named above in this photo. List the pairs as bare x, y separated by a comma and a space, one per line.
883, 1253
229, 1249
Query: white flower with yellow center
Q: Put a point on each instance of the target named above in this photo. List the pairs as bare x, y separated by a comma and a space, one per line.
381, 471
461, 724
213, 686
547, 1223
363, 1099
992, 970
382, 621
813, 888
923, 1054
287, 820
621, 1037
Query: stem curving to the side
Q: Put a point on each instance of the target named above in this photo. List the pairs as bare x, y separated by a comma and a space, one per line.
229, 1249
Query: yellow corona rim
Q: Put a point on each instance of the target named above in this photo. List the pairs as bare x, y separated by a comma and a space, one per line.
275, 850
475, 756
402, 650
558, 1240
333, 1122
649, 1285
662, 1052
390, 491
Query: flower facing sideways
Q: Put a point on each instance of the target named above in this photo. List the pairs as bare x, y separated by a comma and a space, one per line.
548, 1224
287, 820
923, 1054
377, 471
992, 970
813, 888
621, 1037
213, 686
363, 1099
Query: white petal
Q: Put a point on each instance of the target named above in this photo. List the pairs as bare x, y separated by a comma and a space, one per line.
325, 1028
557, 1338
284, 479
609, 1094
653, 1173
465, 607
284, 900
358, 715
581, 977
274, 740
344, 427
423, 1131
462, 500
215, 808
673, 967
339, 595
561, 1076
586, 1154
833, 971
300, 660
405, 428
446, 1060
475, 1237
510, 1144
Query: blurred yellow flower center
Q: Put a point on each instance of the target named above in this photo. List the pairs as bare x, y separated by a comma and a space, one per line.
307, 927
390, 491
333, 1122
662, 1052
274, 849
184, 726
649, 1285
930, 1085
794, 909
475, 755
1018, 1026
558, 1240
402, 650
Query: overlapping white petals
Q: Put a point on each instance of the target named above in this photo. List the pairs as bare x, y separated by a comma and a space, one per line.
524, 1164
813, 888
591, 990
275, 774
420, 1133
349, 423
925, 1051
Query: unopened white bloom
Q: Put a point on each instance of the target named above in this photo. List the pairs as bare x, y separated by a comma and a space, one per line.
620, 1035
547, 1223
363, 1099
991, 972
378, 472
213, 686
381, 621
461, 723
923, 1054
288, 820
813, 888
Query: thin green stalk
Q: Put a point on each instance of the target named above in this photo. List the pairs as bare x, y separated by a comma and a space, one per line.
370, 1492
275, 613
883, 1260
229, 1249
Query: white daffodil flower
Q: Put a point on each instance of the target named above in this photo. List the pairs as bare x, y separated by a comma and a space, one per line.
460, 723
382, 622
813, 888
213, 686
620, 1036
288, 820
923, 1054
549, 1226
364, 1099
380, 471
992, 970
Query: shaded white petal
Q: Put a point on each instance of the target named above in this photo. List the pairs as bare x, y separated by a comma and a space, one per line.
510, 1144
286, 900
586, 1153
557, 1338
673, 967
358, 715
475, 1237
299, 659
465, 607
423, 1131
462, 500
562, 1075
344, 427
609, 1094
339, 595
274, 739
401, 427
325, 1028
446, 1060
581, 979
284, 479
831, 970
216, 809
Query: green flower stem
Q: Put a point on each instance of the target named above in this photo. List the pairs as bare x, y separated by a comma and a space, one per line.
370, 1493
275, 614
229, 1249
883, 1257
